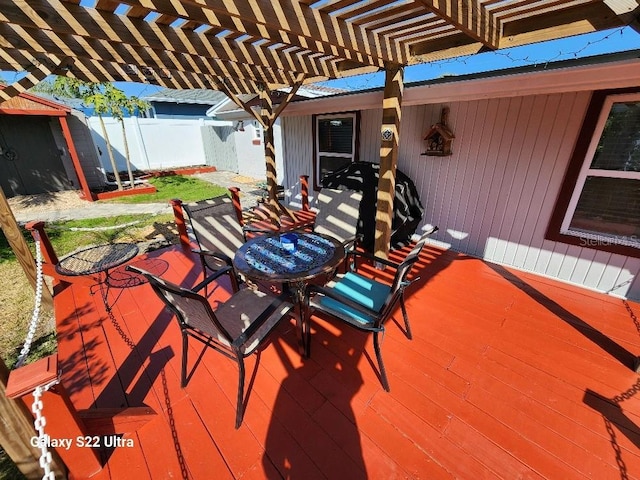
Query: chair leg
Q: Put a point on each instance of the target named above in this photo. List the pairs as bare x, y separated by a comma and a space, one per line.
383, 372
406, 318
240, 405
185, 351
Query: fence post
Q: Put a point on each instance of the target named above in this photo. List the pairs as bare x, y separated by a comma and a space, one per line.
16, 432
237, 206
304, 191
178, 215
62, 421
37, 230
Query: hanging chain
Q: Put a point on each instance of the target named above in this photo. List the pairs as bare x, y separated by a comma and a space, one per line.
616, 448
39, 423
36, 407
36, 309
632, 315
621, 397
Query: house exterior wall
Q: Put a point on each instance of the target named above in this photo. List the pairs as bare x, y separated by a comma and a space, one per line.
250, 155
494, 196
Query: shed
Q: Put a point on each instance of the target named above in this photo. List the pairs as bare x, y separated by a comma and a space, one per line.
37, 151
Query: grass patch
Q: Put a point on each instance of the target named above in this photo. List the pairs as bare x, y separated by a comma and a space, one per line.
187, 189
69, 236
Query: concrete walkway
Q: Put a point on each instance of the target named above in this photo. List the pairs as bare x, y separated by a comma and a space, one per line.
250, 192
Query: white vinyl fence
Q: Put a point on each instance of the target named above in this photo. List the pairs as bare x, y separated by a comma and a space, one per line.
153, 143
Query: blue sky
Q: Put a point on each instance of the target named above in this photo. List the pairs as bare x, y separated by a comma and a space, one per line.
609, 41
598, 43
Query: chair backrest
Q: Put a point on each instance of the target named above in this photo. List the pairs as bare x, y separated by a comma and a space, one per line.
215, 225
191, 309
338, 213
403, 270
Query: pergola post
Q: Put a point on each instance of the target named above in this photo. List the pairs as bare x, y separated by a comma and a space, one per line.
266, 113
267, 117
16, 432
390, 132
20, 248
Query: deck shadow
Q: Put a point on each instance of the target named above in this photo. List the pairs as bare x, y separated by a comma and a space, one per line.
617, 351
613, 414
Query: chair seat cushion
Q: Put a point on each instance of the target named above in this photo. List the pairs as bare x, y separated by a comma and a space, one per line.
243, 308
362, 290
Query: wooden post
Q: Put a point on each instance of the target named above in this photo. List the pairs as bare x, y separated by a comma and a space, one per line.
16, 432
237, 206
178, 215
20, 248
390, 133
75, 159
304, 192
38, 233
62, 421
266, 112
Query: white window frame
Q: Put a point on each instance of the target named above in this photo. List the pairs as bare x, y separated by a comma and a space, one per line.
587, 171
318, 153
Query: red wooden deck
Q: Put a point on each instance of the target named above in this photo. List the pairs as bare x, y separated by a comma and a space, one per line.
509, 376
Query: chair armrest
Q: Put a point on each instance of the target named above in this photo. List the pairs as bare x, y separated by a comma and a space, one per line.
218, 255
328, 292
373, 257
251, 229
212, 277
263, 317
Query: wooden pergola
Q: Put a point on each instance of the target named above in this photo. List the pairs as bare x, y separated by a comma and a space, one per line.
257, 47
260, 46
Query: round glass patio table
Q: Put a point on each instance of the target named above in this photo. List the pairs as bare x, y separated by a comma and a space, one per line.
266, 258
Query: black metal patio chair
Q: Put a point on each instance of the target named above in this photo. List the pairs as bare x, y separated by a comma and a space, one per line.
364, 303
218, 231
338, 215
237, 328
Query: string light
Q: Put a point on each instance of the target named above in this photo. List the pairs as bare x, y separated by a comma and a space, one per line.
363, 82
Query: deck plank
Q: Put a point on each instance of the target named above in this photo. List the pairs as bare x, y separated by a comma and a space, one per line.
508, 376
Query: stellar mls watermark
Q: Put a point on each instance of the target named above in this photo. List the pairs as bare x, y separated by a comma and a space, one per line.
606, 241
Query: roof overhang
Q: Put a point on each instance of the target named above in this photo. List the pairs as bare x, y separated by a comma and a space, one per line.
563, 77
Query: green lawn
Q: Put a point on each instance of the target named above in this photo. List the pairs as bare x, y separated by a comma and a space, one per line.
187, 189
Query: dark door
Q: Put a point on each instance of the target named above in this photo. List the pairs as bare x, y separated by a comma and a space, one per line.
30, 162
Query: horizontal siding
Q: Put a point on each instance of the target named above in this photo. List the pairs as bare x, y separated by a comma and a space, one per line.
494, 196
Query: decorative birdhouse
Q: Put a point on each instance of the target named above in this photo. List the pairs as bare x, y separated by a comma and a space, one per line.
439, 137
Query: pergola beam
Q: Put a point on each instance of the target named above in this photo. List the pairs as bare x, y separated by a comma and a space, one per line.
471, 19
285, 21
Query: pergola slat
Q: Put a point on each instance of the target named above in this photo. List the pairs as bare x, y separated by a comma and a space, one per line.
139, 33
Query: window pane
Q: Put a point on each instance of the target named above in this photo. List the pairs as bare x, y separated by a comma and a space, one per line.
609, 206
619, 146
329, 164
335, 135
